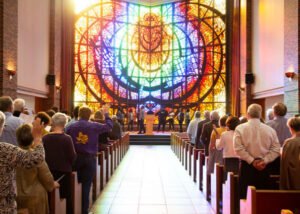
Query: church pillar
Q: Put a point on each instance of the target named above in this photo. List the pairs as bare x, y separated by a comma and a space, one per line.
233, 56
8, 47
67, 58
291, 56
245, 55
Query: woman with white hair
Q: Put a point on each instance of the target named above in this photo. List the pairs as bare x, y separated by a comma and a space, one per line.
60, 155
12, 157
270, 114
19, 106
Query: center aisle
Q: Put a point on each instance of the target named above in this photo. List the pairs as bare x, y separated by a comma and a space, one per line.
150, 179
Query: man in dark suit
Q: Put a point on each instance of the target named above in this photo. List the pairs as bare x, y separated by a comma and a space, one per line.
162, 119
207, 130
180, 118
199, 144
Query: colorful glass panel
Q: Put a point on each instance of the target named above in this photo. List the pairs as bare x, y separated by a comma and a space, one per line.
169, 55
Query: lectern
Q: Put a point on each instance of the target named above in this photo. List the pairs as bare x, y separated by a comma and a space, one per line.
149, 123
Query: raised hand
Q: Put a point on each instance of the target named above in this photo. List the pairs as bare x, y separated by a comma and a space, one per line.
106, 108
37, 128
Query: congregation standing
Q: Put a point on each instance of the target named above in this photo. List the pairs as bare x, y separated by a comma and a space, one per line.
33, 156
251, 148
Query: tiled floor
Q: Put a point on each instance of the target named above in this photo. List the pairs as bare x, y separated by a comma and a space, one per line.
150, 179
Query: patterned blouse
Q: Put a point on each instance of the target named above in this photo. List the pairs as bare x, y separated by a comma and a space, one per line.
10, 158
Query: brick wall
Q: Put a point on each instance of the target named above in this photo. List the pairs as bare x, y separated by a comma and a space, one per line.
291, 55
9, 46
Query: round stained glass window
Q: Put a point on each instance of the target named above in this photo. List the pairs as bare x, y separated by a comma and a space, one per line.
171, 54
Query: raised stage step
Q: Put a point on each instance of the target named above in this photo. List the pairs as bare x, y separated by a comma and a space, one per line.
157, 139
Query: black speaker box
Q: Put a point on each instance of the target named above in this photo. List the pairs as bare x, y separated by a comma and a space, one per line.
249, 78
50, 79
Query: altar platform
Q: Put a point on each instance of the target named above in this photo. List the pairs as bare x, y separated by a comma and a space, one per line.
158, 138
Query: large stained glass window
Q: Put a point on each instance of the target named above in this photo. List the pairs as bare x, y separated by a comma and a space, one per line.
170, 55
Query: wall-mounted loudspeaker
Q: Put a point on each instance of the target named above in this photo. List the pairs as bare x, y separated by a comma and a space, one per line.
249, 78
50, 79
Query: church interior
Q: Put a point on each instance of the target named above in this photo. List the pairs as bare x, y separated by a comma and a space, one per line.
150, 106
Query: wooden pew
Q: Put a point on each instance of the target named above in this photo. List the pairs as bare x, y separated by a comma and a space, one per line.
173, 139
182, 137
96, 180
22, 211
125, 144
107, 164
176, 144
102, 169
186, 153
121, 148
115, 154
190, 155
207, 182
201, 170
195, 163
76, 192
204, 178
126, 141
112, 156
56, 204
181, 150
184, 150
181, 147
269, 201
178, 147
231, 202
216, 188
118, 152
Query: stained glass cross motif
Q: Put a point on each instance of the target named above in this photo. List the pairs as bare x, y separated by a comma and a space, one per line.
170, 55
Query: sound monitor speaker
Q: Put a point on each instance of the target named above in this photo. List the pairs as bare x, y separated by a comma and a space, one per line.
50, 79
249, 78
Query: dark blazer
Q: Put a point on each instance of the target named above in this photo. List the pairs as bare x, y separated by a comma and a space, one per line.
116, 132
199, 143
206, 133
